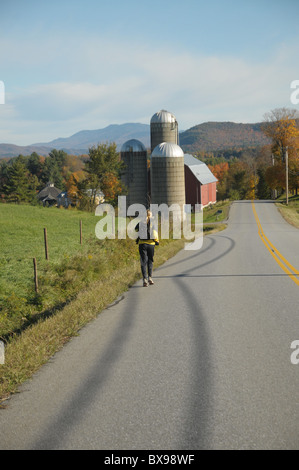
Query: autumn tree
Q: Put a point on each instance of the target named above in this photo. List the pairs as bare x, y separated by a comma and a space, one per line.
220, 171
72, 184
281, 125
103, 170
111, 187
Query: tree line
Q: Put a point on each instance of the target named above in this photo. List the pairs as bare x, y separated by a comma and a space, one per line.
261, 173
242, 174
83, 177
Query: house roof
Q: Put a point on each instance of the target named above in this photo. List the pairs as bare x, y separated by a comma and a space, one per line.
200, 170
49, 192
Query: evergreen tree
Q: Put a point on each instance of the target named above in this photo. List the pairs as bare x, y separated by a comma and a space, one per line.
20, 185
53, 166
34, 164
263, 190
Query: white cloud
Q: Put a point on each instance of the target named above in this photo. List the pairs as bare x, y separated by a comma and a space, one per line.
90, 83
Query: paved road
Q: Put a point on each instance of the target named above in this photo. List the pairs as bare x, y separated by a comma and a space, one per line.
201, 360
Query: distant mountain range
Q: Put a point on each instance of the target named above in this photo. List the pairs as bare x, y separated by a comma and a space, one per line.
209, 136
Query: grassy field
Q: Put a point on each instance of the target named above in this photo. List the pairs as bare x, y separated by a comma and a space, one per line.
70, 266
22, 239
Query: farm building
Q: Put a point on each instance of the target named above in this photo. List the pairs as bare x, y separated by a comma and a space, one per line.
49, 195
200, 183
52, 196
173, 177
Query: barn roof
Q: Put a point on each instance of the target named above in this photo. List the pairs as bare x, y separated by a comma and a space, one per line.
200, 170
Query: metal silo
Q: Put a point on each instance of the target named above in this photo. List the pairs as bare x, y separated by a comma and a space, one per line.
134, 155
164, 128
168, 175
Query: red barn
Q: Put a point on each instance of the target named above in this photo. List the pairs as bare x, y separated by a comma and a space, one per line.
200, 183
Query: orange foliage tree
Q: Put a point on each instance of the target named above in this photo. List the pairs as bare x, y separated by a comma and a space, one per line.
220, 171
281, 125
111, 187
72, 185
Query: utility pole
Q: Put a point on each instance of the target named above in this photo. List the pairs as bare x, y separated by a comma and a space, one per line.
274, 191
287, 176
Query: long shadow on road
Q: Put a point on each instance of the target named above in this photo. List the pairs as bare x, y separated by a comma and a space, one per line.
197, 410
197, 407
96, 377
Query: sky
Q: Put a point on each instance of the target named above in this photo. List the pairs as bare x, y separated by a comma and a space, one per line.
70, 65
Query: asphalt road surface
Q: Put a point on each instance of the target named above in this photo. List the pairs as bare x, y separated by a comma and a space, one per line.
200, 360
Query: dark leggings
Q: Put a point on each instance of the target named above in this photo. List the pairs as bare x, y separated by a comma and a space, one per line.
146, 259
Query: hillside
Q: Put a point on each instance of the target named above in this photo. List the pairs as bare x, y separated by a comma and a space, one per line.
209, 136
214, 136
11, 150
118, 133
79, 143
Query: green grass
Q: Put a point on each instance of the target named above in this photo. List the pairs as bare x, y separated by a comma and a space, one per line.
291, 211
22, 239
70, 267
216, 213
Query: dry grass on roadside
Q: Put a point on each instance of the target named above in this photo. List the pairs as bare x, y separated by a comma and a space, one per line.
290, 212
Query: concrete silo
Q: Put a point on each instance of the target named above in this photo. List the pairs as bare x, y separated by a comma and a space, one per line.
168, 175
164, 128
135, 176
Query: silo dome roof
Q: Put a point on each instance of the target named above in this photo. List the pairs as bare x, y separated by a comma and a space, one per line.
163, 116
167, 149
133, 145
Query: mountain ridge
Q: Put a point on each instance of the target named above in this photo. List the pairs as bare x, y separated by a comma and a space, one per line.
209, 136
215, 136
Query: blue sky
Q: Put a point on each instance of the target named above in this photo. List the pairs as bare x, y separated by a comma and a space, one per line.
73, 65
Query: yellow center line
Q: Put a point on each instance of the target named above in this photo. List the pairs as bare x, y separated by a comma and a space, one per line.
279, 258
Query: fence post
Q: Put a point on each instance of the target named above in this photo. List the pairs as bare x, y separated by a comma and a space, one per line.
46, 243
35, 275
80, 232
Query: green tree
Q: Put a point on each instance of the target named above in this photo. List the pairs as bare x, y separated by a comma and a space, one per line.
103, 164
21, 185
239, 180
34, 164
263, 189
3, 176
53, 168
